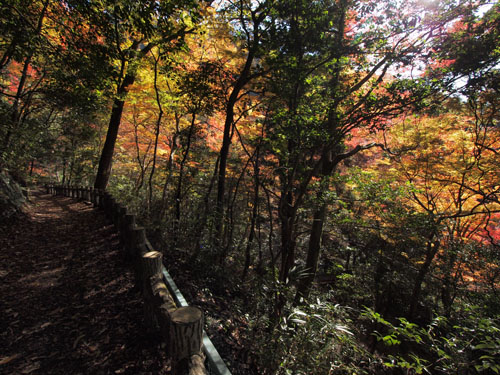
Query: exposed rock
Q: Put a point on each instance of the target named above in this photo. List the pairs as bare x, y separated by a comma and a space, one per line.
12, 198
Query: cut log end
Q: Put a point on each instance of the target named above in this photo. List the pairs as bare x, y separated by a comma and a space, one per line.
152, 254
186, 315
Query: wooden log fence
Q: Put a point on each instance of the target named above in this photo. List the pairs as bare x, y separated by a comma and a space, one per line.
166, 311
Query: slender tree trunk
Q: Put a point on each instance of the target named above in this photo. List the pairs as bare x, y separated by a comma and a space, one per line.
202, 222
328, 165
449, 284
106, 160
223, 155
287, 216
251, 236
270, 239
168, 167
71, 169
142, 163
64, 171
226, 140
230, 228
15, 113
157, 134
178, 193
288, 244
432, 249
304, 285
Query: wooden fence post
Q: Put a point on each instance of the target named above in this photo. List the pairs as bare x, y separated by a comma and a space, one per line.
181, 328
137, 243
93, 196
162, 305
128, 224
110, 203
137, 248
151, 264
186, 339
114, 211
118, 212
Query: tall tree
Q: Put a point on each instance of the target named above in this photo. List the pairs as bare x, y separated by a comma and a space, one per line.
250, 26
131, 30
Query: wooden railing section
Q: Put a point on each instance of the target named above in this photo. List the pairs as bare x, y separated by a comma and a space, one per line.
165, 309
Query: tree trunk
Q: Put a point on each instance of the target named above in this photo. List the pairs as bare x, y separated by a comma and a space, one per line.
431, 252
251, 236
228, 237
16, 114
168, 167
287, 216
328, 165
288, 211
449, 285
106, 160
64, 171
203, 215
226, 140
178, 192
139, 181
223, 155
157, 134
313, 253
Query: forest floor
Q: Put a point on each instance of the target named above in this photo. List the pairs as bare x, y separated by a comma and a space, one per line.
66, 300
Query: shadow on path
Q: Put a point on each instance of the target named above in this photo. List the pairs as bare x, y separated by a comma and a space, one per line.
66, 300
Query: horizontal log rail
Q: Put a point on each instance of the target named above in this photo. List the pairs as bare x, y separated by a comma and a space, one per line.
165, 309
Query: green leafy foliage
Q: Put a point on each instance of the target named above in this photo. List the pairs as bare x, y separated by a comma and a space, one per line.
469, 346
319, 335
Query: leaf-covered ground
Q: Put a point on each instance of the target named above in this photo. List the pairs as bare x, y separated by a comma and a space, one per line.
66, 300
